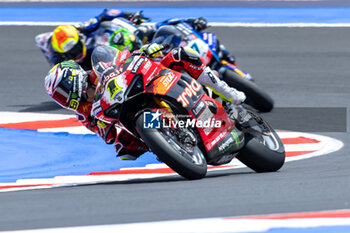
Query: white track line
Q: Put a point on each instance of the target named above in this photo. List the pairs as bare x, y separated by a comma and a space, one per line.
216, 24
204, 225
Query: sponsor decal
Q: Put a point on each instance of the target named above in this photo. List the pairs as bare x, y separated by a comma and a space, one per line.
97, 110
189, 91
199, 46
85, 108
168, 79
212, 77
217, 139
224, 147
114, 12
241, 73
108, 73
184, 29
205, 116
195, 67
113, 88
151, 76
96, 104
163, 84
146, 67
198, 108
69, 64
96, 107
101, 124
137, 65
132, 61
235, 136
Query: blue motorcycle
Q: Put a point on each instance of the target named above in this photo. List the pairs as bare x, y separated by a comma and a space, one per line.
207, 46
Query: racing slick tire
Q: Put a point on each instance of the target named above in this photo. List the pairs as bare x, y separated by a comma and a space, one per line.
256, 97
264, 153
171, 152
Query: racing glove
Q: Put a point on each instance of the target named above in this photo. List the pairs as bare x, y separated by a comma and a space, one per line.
106, 131
154, 50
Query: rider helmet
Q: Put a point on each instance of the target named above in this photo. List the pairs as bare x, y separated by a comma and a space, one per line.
169, 36
66, 84
66, 41
123, 39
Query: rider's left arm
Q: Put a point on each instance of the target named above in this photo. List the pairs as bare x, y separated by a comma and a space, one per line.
198, 24
107, 15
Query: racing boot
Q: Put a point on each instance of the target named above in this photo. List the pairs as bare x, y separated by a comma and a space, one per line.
225, 55
247, 120
220, 88
128, 147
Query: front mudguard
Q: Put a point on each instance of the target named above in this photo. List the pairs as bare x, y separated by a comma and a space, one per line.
226, 149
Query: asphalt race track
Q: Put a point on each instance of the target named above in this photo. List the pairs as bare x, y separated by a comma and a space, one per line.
299, 67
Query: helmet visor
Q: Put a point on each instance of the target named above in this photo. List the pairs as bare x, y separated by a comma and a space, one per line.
71, 90
77, 52
62, 93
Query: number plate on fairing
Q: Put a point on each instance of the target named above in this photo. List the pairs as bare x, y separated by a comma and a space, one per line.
199, 46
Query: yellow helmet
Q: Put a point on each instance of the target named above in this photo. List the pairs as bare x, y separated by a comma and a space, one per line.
66, 41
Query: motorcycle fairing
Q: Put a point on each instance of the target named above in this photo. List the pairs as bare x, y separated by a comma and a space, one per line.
226, 139
217, 141
186, 91
157, 79
162, 82
202, 49
112, 94
210, 40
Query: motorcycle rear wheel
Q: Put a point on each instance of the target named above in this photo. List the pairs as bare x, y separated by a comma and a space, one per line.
263, 153
256, 97
190, 165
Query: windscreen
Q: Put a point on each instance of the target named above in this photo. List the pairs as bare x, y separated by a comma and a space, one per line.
102, 55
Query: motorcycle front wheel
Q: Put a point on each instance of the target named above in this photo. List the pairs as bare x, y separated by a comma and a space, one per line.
188, 162
263, 153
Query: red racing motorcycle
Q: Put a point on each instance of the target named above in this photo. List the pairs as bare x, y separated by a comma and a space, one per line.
172, 114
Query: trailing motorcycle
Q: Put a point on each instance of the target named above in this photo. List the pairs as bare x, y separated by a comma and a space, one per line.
177, 120
206, 44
